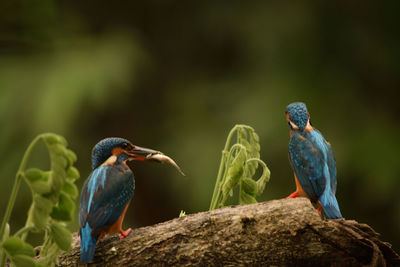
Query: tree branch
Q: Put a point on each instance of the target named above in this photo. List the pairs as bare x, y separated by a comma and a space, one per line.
279, 232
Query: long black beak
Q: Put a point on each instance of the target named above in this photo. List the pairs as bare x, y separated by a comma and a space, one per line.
146, 154
141, 153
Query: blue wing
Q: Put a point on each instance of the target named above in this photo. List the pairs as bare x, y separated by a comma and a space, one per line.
307, 161
104, 196
332, 169
314, 164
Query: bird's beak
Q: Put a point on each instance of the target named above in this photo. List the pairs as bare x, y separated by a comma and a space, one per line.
146, 154
141, 153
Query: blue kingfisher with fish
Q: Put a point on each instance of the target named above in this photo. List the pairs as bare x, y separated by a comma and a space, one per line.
107, 192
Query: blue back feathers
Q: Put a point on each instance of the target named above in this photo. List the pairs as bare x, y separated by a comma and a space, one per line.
298, 114
102, 150
313, 161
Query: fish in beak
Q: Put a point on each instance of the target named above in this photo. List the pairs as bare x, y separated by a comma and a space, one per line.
146, 154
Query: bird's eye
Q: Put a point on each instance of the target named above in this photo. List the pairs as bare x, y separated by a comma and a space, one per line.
125, 145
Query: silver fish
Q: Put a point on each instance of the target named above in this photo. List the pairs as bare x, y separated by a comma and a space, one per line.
160, 157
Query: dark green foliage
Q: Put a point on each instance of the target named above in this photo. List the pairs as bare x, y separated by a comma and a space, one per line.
52, 206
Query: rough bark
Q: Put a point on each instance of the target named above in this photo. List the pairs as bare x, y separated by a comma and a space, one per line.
278, 233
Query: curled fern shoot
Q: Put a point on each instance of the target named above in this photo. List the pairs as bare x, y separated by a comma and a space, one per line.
238, 165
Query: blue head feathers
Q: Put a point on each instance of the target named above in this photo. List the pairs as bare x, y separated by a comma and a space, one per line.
103, 149
297, 114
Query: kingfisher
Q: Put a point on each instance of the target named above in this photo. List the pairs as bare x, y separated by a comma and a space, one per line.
107, 192
312, 160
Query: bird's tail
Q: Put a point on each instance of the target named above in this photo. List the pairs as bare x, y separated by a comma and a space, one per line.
330, 206
88, 244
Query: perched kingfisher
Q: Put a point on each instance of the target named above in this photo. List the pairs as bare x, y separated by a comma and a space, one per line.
312, 160
108, 191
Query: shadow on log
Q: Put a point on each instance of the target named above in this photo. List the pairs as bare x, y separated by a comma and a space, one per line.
279, 232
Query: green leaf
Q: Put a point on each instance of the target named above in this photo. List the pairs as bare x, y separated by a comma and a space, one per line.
61, 236
57, 179
62, 140
40, 211
58, 149
34, 175
263, 180
41, 187
23, 261
50, 138
38, 181
70, 188
246, 198
246, 144
43, 203
253, 149
72, 173
255, 136
63, 211
39, 218
12, 245
249, 186
60, 215
251, 168
242, 134
71, 156
54, 139
16, 246
182, 213
235, 172
59, 161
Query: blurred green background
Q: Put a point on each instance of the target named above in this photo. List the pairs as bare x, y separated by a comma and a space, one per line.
176, 76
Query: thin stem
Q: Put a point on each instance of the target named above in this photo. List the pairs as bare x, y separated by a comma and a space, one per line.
218, 203
240, 191
14, 192
216, 187
28, 223
23, 230
221, 167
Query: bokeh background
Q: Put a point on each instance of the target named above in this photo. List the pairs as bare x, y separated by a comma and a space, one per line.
176, 76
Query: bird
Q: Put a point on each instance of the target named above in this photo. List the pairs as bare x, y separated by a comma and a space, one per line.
312, 161
109, 189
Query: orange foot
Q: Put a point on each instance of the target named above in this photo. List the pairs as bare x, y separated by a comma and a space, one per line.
293, 195
125, 233
319, 207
